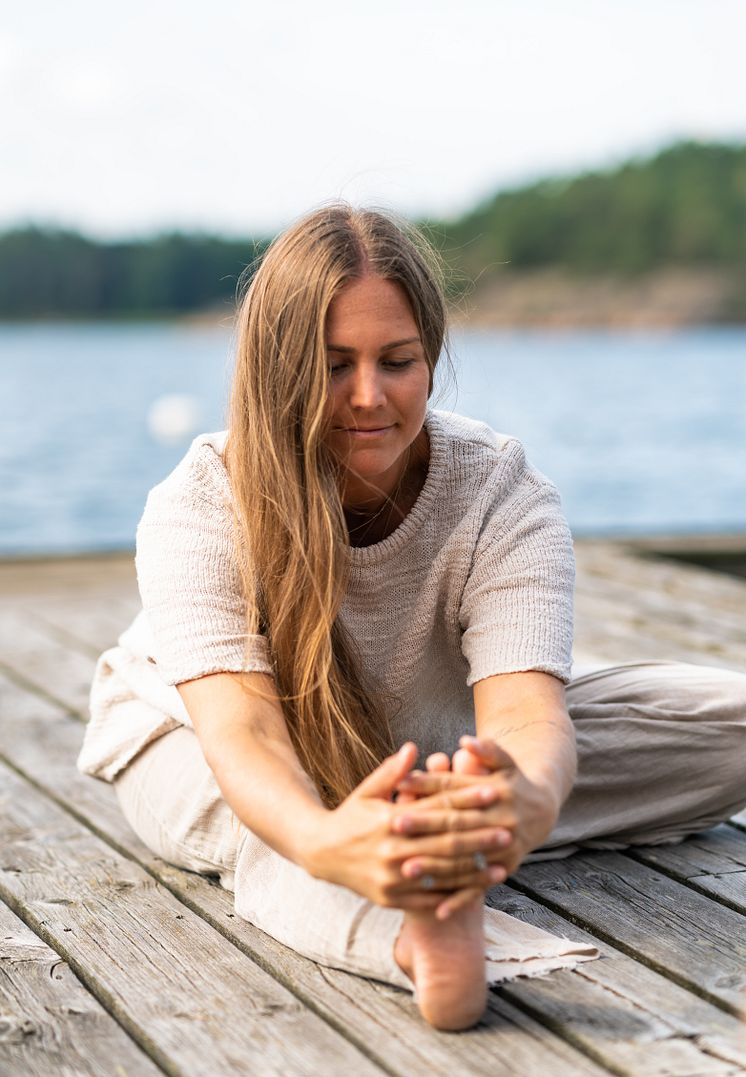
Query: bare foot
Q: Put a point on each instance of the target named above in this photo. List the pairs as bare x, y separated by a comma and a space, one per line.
445, 961
445, 958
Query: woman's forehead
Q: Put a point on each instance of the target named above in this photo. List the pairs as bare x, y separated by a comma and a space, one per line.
370, 303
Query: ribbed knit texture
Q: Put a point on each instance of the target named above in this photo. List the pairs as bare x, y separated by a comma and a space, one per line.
477, 580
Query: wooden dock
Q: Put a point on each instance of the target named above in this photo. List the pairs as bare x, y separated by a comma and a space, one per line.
114, 962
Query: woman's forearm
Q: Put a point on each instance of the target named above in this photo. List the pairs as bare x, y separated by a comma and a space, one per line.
543, 747
247, 746
530, 721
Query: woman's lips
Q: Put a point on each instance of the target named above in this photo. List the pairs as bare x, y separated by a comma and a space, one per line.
377, 432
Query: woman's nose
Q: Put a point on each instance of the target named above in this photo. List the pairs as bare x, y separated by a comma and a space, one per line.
367, 389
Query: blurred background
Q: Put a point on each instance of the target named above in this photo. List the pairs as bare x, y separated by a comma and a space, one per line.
581, 166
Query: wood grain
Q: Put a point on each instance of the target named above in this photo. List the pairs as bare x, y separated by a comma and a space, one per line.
667, 925
193, 1002
49, 1023
713, 862
637, 1011
360, 1008
642, 1021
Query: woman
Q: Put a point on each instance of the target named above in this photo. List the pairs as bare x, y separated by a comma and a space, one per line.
349, 581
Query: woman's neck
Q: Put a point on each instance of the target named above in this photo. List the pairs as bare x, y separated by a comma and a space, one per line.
370, 524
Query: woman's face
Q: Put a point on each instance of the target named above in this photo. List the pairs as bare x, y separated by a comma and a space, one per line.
379, 384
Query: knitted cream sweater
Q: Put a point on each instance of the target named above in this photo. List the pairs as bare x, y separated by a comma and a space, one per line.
476, 580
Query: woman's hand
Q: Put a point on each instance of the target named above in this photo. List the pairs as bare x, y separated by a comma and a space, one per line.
361, 845
526, 810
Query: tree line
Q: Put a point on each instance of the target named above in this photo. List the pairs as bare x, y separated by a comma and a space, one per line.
685, 206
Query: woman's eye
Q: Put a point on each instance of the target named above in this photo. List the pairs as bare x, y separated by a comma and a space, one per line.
390, 364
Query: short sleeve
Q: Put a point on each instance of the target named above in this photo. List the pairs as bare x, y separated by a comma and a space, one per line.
188, 577
516, 610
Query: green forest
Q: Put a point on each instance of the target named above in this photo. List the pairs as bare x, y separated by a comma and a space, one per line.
683, 207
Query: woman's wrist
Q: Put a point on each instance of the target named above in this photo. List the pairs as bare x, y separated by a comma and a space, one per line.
553, 783
548, 762
307, 837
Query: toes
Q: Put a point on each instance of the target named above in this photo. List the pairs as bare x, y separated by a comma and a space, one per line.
405, 798
437, 762
465, 762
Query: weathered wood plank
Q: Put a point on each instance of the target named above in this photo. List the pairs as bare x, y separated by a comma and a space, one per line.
714, 862
617, 643
617, 561
31, 654
678, 1064
658, 607
622, 1012
88, 599
665, 924
168, 977
49, 1023
642, 1021
46, 754
687, 632
90, 625
613, 622
110, 574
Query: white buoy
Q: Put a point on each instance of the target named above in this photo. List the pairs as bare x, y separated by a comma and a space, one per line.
174, 417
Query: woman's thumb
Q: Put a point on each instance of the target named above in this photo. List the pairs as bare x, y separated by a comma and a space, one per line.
387, 775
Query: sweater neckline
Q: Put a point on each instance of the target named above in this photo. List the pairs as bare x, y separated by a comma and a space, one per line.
398, 539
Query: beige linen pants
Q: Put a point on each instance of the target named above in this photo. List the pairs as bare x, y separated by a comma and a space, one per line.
661, 751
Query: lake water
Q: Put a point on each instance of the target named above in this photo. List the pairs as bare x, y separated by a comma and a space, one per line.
643, 433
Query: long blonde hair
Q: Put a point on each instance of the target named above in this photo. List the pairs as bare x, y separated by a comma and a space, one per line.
290, 531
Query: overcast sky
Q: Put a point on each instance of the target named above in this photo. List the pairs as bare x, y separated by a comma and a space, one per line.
237, 116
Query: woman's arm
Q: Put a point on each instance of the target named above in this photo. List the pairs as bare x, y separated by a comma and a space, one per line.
246, 743
526, 743
525, 714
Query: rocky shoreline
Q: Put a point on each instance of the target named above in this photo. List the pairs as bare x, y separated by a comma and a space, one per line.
545, 298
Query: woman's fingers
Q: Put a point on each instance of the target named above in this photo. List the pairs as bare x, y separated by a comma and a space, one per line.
438, 762
455, 874
438, 822
427, 783
417, 867
452, 845
389, 774
474, 793
426, 901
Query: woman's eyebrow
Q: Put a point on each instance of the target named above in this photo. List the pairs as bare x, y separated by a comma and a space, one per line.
385, 348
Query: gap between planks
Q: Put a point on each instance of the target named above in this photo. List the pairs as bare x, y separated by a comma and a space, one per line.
514, 991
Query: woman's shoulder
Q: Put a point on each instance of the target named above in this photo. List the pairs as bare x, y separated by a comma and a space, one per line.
476, 454
463, 430
200, 475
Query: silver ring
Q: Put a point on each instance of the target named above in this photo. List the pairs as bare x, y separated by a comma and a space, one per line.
480, 861
428, 882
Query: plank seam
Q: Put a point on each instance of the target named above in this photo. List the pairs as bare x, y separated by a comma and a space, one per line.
690, 882
626, 948
90, 982
285, 981
64, 636
305, 996
30, 686
555, 1026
